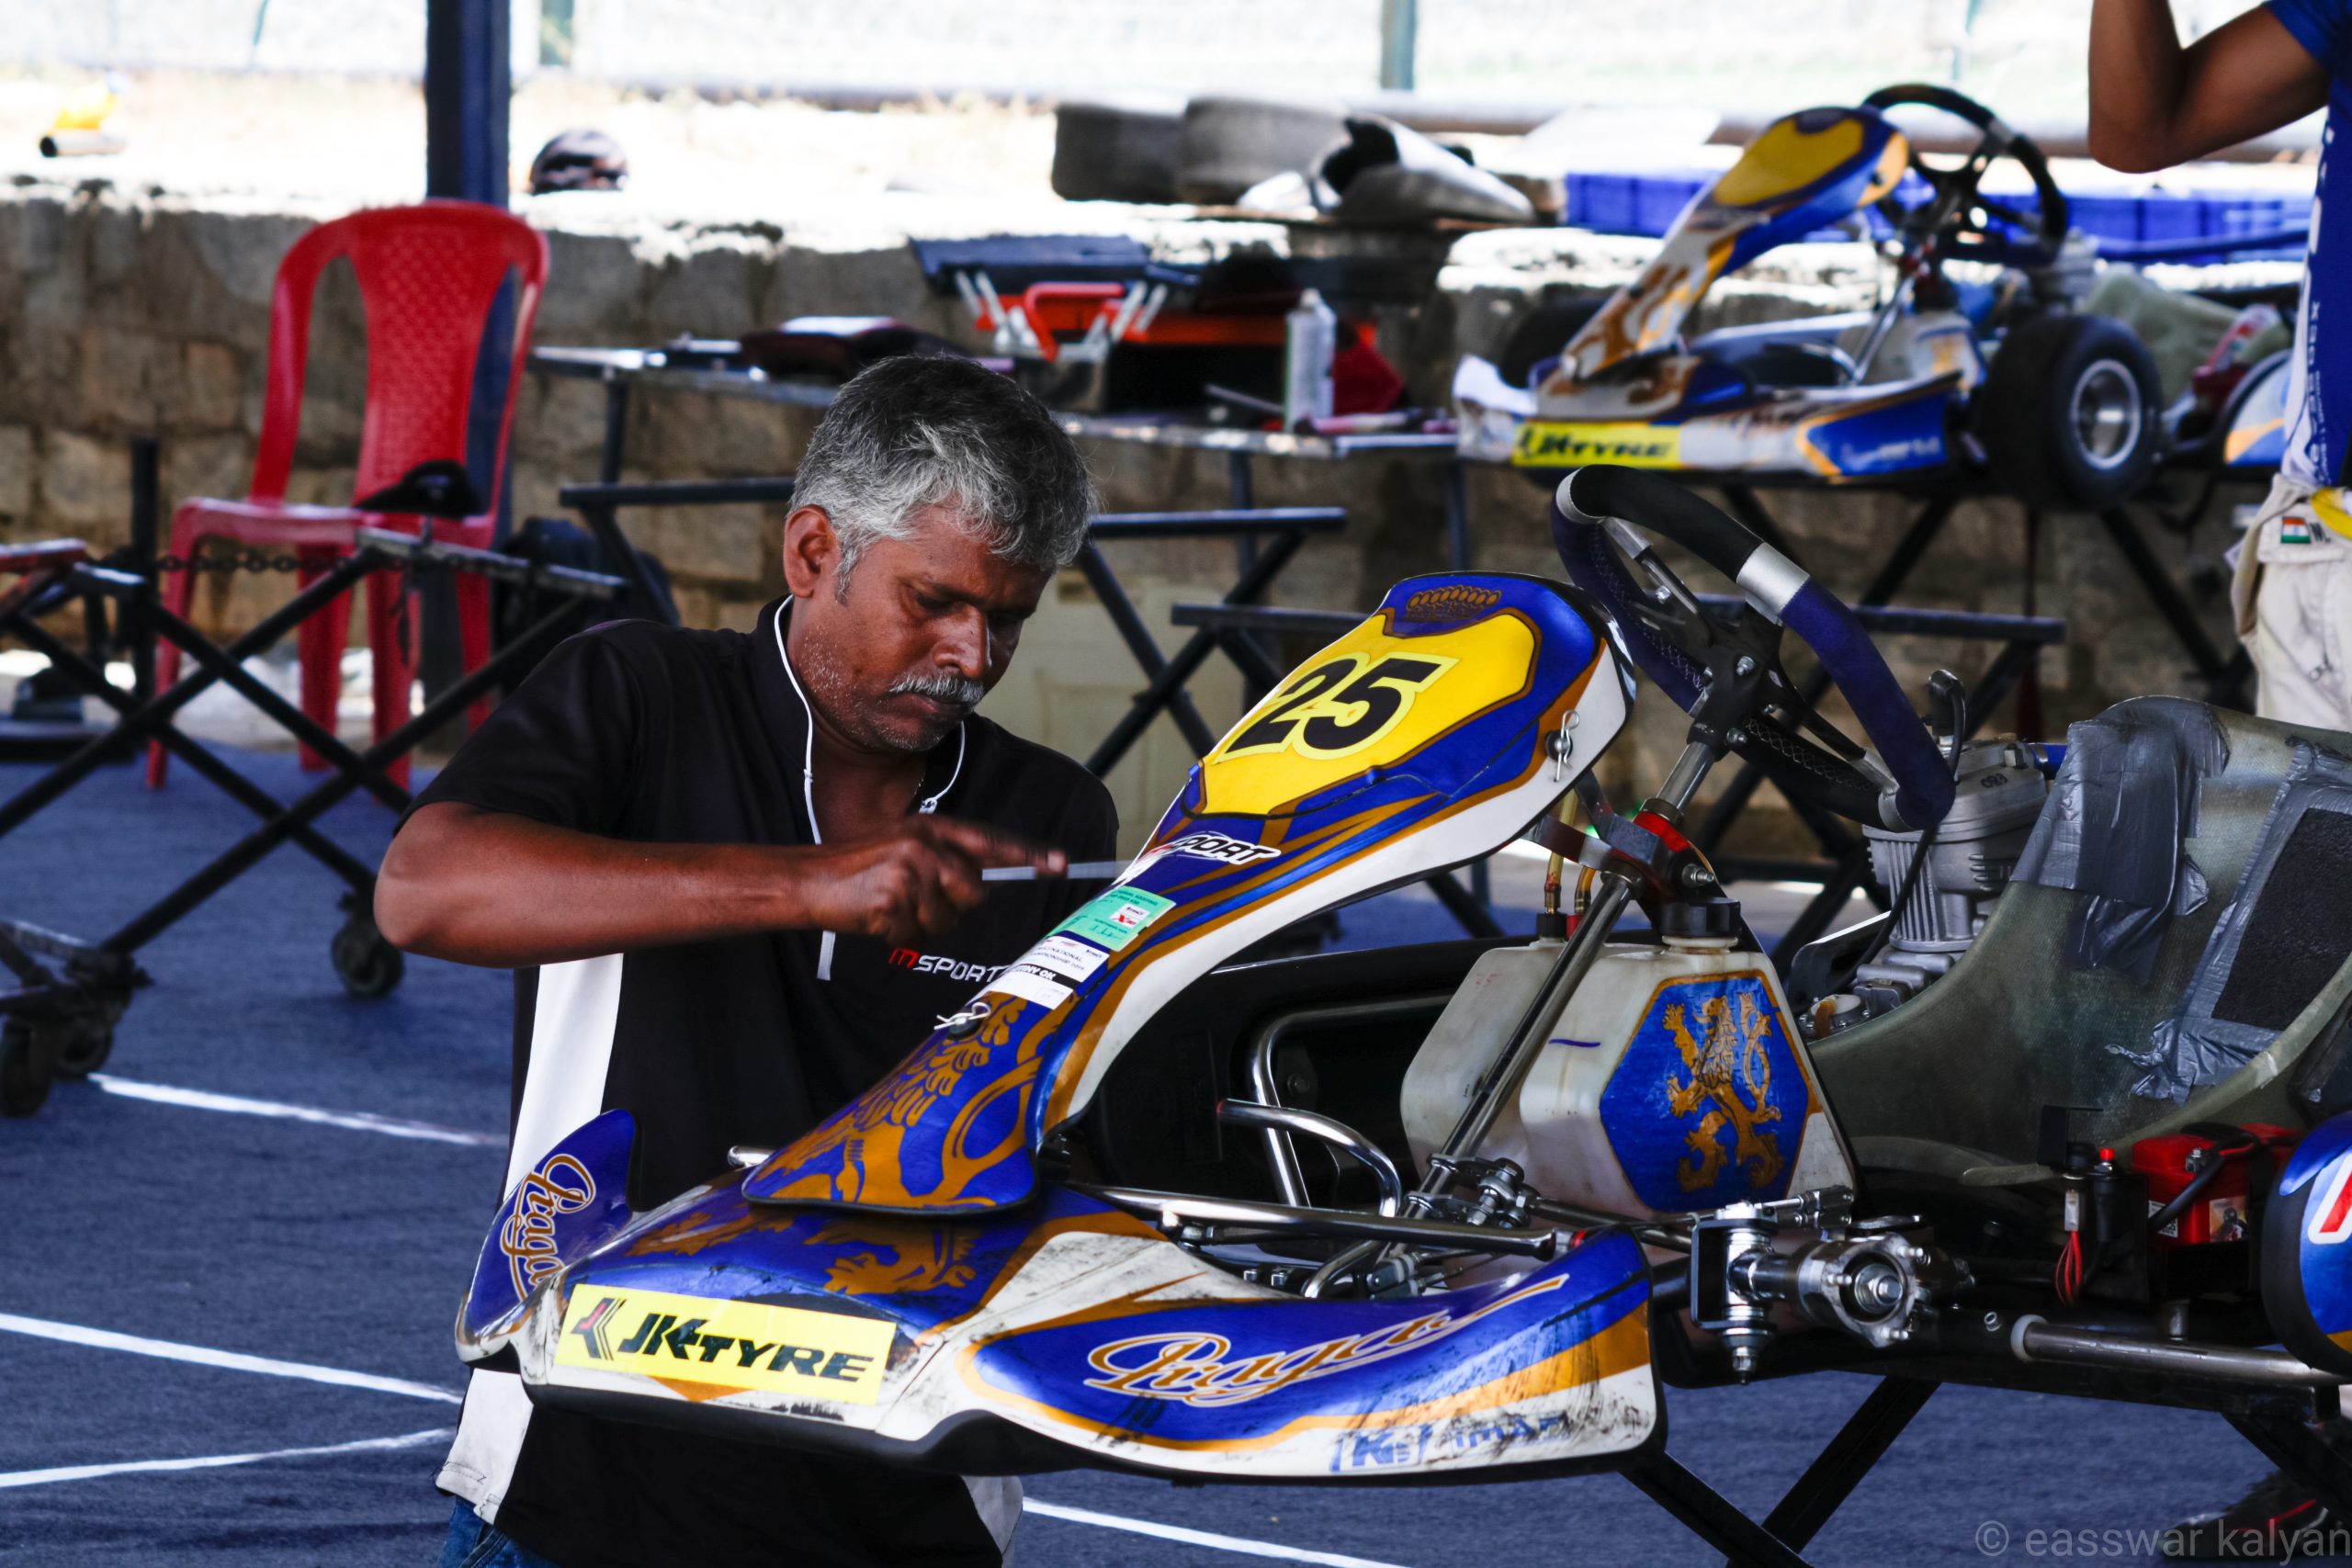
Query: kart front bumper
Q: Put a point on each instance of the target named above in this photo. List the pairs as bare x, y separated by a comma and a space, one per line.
1071, 1334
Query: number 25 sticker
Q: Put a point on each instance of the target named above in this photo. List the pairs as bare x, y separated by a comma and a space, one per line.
1341, 706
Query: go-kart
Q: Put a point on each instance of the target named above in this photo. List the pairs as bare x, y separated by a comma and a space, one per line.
2063, 408
2063, 1122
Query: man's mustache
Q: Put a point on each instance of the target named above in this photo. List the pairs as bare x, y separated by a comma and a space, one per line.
942, 687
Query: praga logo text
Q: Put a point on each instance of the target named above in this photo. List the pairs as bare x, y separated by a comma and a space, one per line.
527, 1236
1193, 1365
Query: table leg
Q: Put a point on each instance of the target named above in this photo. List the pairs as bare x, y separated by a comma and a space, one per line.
1457, 514
2171, 603
1896, 570
1170, 680
621, 561
608, 462
1241, 489
1144, 646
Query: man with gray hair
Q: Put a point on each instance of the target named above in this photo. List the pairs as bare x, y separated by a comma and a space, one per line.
738, 877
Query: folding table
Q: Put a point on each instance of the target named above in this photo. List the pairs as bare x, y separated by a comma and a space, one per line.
106, 969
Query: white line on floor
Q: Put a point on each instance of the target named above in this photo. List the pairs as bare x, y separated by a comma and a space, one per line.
235, 1361
106, 1339
358, 1121
214, 1462
1233, 1543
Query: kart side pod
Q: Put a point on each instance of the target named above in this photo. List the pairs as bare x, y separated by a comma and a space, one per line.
2306, 1263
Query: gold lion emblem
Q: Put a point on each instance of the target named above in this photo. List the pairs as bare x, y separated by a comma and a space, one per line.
868, 1135
1731, 1075
924, 1262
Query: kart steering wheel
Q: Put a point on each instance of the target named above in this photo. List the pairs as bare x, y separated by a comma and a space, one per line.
1726, 672
1956, 222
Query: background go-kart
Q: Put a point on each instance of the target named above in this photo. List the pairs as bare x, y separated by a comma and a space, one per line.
206, 1255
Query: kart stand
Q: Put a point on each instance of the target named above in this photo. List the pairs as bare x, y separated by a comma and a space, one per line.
106, 970
45, 1021
2278, 1423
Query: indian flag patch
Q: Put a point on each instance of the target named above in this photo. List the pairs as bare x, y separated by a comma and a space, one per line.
2294, 530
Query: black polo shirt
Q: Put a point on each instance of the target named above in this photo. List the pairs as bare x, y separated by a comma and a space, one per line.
652, 734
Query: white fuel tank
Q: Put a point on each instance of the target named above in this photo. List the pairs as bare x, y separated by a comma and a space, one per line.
1670, 1082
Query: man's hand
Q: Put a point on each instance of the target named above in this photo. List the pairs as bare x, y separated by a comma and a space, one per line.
2154, 104
916, 880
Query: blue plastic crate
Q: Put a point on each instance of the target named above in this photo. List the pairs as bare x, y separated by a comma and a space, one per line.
1647, 203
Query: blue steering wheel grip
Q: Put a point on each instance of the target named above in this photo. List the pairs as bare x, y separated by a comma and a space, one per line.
1923, 780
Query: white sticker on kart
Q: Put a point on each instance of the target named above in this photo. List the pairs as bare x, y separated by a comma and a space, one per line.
1065, 957
1032, 985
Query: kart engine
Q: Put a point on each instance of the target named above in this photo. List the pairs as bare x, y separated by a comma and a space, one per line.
2000, 792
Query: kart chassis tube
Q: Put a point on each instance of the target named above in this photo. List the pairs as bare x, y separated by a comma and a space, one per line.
2034, 1338
1173, 1209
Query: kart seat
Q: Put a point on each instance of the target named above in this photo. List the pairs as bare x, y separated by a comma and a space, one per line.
2246, 1025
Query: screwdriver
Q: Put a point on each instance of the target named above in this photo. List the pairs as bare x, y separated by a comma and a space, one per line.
1077, 871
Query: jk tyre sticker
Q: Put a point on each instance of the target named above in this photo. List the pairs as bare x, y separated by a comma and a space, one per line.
1544, 444
732, 1345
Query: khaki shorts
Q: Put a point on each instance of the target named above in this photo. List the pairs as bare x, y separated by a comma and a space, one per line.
2293, 598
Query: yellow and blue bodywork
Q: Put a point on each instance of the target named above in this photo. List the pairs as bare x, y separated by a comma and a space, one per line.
1625, 391
2307, 1249
1419, 739
904, 1282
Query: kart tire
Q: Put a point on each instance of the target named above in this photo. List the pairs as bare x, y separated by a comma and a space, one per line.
369, 967
27, 1065
1117, 150
1231, 144
87, 1045
1543, 331
2071, 413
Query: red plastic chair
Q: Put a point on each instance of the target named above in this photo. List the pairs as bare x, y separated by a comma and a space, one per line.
428, 276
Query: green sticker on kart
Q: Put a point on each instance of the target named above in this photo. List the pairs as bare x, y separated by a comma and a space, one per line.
1117, 918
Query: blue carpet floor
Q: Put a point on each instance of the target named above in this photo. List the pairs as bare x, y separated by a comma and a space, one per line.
348, 1249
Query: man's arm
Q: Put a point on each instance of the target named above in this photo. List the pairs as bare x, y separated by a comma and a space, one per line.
494, 888
2154, 104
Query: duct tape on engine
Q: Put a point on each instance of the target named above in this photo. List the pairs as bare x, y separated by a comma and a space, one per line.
2122, 810
2215, 1030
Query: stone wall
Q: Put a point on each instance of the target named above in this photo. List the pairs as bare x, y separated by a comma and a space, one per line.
121, 314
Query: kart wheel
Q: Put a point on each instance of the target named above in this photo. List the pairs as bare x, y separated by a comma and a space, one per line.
2070, 414
87, 1044
1229, 144
28, 1063
1117, 150
369, 967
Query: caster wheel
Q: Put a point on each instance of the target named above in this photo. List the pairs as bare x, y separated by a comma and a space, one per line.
27, 1063
370, 966
87, 1045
